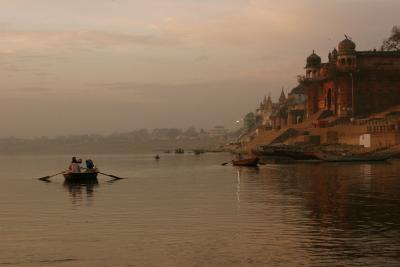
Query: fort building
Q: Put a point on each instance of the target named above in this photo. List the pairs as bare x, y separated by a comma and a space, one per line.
353, 98
352, 83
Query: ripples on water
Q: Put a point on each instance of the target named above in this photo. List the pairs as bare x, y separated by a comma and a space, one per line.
188, 210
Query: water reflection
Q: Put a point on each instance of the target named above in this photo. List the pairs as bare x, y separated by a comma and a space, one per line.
80, 190
342, 210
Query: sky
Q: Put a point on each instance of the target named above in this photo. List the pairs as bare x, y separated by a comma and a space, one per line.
105, 66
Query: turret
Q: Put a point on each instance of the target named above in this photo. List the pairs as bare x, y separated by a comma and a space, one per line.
312, 66
282, 98
347, 54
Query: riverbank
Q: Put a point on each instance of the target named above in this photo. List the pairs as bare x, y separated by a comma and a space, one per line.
377, 131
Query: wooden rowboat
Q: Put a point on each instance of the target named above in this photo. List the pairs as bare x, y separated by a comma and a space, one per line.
82, 176
250, 162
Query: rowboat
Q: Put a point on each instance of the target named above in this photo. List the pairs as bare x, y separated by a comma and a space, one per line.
198, 151
82, 176
179, 151
250, 162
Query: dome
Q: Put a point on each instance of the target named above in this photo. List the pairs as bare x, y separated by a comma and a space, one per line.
346, 46
313, 60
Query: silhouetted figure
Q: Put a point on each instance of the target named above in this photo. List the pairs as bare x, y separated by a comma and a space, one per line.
90, 165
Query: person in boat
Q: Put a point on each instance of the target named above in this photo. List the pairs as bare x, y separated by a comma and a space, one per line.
157, 157
74, 167
90, 165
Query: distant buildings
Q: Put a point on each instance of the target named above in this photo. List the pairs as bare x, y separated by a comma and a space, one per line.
352, 83
218, 131
287, 111
353, 98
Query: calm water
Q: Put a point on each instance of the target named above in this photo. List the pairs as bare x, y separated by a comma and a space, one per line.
188, 210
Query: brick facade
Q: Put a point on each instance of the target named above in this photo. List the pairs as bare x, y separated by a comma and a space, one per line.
352, 83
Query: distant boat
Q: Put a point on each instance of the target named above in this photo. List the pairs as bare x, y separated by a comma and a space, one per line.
81, 176
167, 151
157, 157
198, 151
179, 151
250, 162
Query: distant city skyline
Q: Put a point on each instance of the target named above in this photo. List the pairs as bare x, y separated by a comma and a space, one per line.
103, 66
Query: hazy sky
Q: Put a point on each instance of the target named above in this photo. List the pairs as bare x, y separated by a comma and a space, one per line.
103, 66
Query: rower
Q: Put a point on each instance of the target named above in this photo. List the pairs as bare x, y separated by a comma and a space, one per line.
89, 165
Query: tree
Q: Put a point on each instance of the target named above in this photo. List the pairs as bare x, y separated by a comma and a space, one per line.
191, 132
393, 42
249, 121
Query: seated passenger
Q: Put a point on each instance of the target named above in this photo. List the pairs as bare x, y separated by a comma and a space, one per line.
74, 166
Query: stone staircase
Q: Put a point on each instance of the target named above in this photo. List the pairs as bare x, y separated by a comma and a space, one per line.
287, 134
284, 134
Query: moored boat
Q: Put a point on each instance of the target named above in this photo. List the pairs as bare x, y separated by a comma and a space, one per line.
250, 162
353, 157
285, 152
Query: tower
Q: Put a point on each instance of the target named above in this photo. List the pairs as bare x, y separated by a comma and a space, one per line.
346, 55
312, 66
282, 98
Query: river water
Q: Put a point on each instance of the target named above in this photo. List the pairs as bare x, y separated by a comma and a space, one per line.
188, 210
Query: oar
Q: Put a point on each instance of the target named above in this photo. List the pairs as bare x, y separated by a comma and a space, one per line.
45, 178
110, 175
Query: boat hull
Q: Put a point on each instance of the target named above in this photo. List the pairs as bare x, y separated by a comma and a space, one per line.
83, 176
285, 152
252, 162
365, 157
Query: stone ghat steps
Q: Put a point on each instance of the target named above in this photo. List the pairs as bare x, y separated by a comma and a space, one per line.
274, 136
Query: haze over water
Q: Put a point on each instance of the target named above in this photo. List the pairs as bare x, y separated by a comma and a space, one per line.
188, 210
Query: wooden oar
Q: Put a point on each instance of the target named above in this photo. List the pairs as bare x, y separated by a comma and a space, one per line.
45, 178
110, 175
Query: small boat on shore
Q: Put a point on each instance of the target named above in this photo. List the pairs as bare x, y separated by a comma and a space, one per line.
82, 176
250, 162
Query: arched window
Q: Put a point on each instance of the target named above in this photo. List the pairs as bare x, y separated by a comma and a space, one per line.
329, 99
349, 61
343, 61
